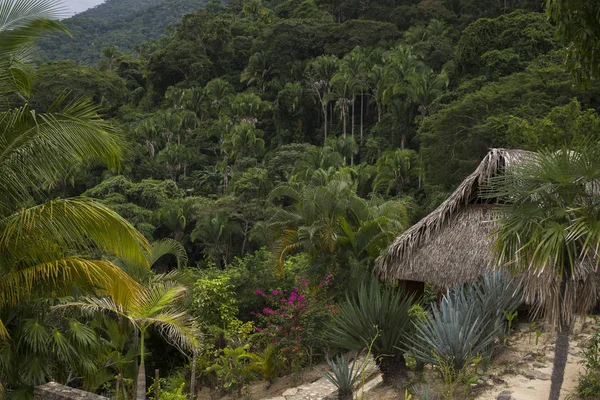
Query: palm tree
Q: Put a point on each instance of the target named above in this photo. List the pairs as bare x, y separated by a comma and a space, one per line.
258, 71
219, 92
110, 55
354, 68
550, 228
423, 89
319, 72
157, 305
47, 247
395, 169
216, 234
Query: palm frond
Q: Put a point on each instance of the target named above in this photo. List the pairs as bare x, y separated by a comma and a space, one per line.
77, 224
35, 280
164, 247
37, 149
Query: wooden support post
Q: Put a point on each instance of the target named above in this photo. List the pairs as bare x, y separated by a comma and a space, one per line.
156, 385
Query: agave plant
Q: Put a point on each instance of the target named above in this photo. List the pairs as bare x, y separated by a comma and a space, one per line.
467, 323
378, 318
423, 392
343, 375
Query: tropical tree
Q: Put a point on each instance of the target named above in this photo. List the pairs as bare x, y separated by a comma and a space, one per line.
46, 346
258, 71
47, 247
578, 23
353, 69
319, 73
215, 233
549, 228
157, 305
326, 219
396, 169
110, 55
219, 93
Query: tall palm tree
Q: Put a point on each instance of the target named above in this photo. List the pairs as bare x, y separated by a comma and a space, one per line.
319, 72
550, 228
157, 305
45, 247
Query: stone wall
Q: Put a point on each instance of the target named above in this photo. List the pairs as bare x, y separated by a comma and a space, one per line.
55, 391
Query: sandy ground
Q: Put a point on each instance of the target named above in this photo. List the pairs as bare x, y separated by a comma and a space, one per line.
525, 368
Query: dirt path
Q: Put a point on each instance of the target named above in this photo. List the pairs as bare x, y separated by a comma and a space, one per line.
523, 372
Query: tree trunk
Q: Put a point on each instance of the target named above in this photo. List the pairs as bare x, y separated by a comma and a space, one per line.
225, 176
140, 387
561, 348
193, 378
325, 125
344, 395
393, 370
343, 115
352, 127
361, 116
561, 352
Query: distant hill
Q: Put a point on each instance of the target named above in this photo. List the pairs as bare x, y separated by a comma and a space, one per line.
120, 23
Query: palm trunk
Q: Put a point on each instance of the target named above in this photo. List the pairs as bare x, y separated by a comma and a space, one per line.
361, 117
561, 352
352, 127
325, 124
561, 348
225, 176
343, 115
140, 387
193, 378
331, 113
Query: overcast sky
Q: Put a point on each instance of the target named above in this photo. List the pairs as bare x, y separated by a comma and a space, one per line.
75, 6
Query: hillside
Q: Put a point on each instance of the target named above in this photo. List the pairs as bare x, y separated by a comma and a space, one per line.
120, 23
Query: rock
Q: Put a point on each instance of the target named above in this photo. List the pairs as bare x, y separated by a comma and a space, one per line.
529, 357
538, 365
535, 374
505, 395
290, 392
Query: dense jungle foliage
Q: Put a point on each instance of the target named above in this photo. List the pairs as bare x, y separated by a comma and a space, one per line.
125, 24
272, 150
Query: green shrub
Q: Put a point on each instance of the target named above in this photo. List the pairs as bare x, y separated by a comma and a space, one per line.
166, 393
589, 383
379, 316
267, 363
232, 368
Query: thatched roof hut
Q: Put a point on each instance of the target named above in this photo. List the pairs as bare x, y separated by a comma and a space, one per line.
452, 244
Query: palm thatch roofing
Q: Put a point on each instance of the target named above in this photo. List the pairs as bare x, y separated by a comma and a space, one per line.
452, 244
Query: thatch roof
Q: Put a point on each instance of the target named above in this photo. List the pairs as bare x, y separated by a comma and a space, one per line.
452, 244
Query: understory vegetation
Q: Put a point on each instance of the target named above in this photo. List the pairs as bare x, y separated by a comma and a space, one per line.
203, 208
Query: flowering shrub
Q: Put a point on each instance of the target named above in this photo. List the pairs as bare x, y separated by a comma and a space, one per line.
293, 320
